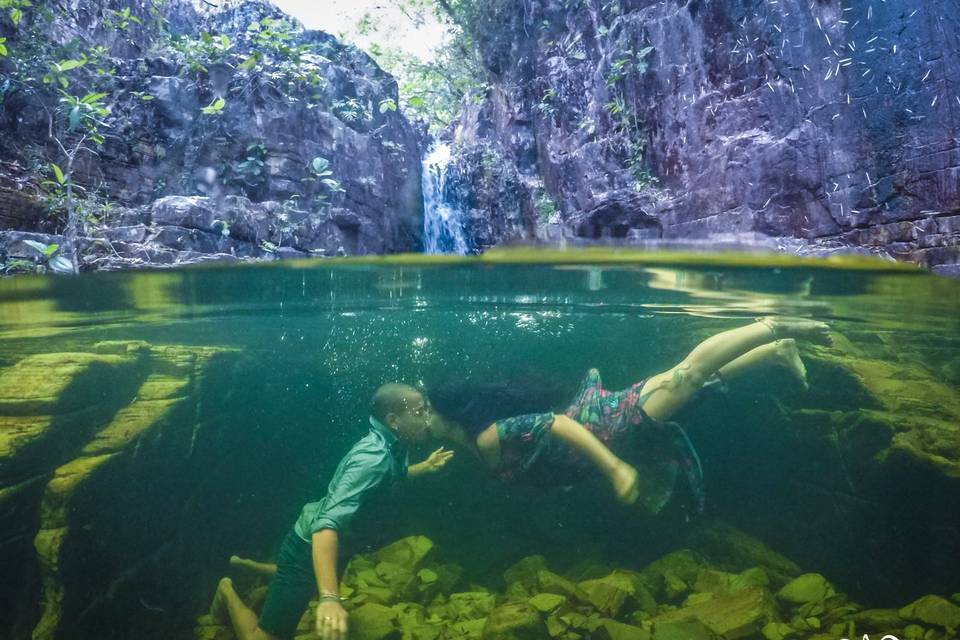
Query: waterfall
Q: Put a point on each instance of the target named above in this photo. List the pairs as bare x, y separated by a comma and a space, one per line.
443, 230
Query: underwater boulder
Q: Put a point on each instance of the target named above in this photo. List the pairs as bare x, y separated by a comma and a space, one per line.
470, 605
618, 593
810, 587
933, 610
731, 549
739, 615
514, 621
409, 552
613, 630
550, 582
778, 631
374, 622
671, 575
683, 630
547, 602
714, 582
525, 571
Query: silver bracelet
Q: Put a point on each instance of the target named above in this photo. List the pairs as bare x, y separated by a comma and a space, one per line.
329, 596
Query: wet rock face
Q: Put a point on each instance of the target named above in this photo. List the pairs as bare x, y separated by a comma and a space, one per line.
324, 100
827, 122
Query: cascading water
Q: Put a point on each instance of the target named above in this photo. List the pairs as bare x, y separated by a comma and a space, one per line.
443, 230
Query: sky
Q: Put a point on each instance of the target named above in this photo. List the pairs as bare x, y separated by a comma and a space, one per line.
339, 17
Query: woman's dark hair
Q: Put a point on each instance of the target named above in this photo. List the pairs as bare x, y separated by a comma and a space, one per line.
476, 403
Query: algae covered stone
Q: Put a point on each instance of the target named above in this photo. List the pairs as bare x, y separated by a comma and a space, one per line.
470, 605
739, 615
409, 552
514, 621
525, 571
613, 630
810, 587
547, 602
374, 622
933, 610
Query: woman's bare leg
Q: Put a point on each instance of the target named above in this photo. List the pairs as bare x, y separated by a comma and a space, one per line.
780, 353
242, 618
672, 389
260, 568
621, 475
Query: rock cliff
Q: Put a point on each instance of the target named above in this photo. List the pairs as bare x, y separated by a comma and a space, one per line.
832, 123
226, 133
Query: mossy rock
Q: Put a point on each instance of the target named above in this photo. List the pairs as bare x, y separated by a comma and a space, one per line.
618, 593
613, 630
547, 602
730, 549
550, 582
877, 620
933, 610
374, 622
664, 576
413, 623
739, 615
409, 552
525, 571
683, 630
470, 605
514, 621
467, 629
808, 588
778, 631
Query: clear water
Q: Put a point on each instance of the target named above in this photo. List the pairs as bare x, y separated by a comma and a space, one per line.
816, 475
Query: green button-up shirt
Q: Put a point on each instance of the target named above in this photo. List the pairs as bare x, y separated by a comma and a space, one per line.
375, 462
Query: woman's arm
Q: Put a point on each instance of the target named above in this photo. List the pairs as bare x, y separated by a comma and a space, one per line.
621, 475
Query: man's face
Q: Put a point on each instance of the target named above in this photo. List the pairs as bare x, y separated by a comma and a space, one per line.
413, 422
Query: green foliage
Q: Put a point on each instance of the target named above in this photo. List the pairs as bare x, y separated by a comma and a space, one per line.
350, 111
215, 108
388, 104
319, 171
121, 19
15, 9
432, 90
544, 204
86, 114
547, 106
47, 254
3, 47
200, 53
250, 171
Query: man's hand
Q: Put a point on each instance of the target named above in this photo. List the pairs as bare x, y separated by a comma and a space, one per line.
331, 621
434, 462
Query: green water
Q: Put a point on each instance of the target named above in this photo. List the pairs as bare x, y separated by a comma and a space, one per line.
856, 478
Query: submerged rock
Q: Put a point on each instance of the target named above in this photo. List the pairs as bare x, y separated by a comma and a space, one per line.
514, 621
810, 587
933, 610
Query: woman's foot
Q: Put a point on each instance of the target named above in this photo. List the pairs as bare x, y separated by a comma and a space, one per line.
809, 330
625, 483
789, 357
218, 608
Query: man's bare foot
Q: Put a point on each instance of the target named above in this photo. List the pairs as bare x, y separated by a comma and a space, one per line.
218, 608
625, 483
803, 328
790, 358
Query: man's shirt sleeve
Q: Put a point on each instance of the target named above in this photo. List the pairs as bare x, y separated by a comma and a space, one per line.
359, 473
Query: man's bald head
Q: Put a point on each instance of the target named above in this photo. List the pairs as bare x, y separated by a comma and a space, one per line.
392, 397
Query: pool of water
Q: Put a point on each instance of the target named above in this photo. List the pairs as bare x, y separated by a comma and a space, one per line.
155, 423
